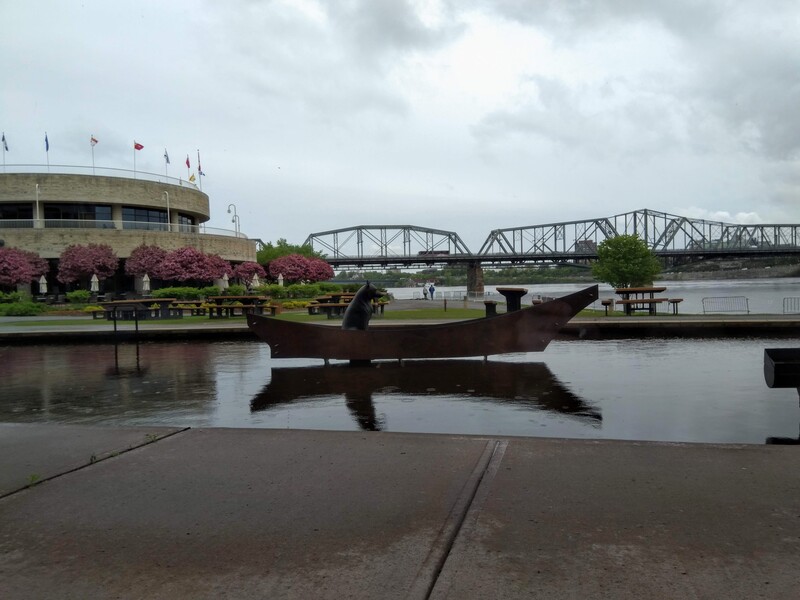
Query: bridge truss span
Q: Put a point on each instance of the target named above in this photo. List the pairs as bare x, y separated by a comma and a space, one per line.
671, 237
667, 235
388, 245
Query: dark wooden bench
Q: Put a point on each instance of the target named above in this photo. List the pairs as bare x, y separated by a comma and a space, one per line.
648, 304
333, 310
491, 307
673, 302
608, 303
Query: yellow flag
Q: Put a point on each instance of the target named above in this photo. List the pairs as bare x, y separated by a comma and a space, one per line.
192, 178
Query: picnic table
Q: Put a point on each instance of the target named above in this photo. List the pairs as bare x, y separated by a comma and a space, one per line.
226, 306
640, 298
139, 308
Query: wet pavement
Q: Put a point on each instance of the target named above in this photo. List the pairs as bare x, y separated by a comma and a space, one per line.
214, 513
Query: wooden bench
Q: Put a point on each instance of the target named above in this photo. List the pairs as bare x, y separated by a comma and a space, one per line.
648, 304
608, 303
718, 304
673, 302
100, 314
195, 307
333, 310
491, 307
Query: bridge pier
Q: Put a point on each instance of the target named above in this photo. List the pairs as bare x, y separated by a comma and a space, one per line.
474, 277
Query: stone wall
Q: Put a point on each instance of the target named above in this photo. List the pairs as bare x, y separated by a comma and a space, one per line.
50, 243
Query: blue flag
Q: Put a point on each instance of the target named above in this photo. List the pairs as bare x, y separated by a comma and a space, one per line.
46, 144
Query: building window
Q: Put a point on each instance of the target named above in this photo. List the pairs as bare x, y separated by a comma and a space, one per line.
186, 223
95, 216
144, 218
19, 215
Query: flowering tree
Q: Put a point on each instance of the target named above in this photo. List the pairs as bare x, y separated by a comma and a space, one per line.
319, 270
78, 261
20, 266
187, 264
296, 268
246, 270
145, 259
218, 266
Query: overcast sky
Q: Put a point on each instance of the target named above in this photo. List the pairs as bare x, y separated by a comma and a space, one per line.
464, 115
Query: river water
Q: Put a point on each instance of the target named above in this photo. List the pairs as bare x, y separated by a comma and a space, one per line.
765, 296
681, 390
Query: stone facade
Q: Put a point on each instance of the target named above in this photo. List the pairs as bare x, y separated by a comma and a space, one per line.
184, 200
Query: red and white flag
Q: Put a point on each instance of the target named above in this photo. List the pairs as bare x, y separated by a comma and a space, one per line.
188, 166
137, 145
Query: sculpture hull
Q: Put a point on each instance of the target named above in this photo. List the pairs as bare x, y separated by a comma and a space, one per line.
527, 330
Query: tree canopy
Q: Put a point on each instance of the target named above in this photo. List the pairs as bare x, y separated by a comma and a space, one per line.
145, 259
296, 269
625, 261
78, 262
20, 266
283, 248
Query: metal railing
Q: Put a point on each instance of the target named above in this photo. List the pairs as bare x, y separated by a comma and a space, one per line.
104, 171
120, 225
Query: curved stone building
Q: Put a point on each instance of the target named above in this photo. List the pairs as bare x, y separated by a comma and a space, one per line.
46, 212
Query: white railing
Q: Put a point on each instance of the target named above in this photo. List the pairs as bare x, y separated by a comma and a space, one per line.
121, 225
104, 171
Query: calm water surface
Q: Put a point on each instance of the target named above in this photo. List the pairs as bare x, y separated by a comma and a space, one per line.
691, 390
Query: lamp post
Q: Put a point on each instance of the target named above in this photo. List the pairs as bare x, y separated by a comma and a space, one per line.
235, 219
36, 222
169, 225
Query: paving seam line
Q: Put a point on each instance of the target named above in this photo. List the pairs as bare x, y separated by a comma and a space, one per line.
94, 461
428, 574
445, 577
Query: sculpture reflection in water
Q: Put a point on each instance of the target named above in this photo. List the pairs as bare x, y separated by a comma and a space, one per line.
524, 386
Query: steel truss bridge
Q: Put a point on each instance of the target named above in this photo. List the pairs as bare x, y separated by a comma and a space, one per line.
671, 237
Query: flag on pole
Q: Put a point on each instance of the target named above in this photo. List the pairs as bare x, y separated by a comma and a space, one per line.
5, 144
192, 178
166, 156
92, 140
46, 143
137, 145
199, 168
188, 166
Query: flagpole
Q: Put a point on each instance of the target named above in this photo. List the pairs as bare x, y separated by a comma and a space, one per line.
4, 152
92, 145
199, 171
47, 150
134, 159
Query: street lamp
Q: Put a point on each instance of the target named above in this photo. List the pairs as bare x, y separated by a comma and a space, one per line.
235, 219
169, 225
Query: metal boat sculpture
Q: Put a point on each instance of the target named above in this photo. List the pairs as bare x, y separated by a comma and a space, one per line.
526, 330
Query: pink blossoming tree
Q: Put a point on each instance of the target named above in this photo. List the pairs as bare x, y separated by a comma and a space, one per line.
145, 259
296, 269
246, 270
80, 262
20, 266
190, 264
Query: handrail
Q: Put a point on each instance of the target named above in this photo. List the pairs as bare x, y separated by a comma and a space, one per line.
40, 224
107, 171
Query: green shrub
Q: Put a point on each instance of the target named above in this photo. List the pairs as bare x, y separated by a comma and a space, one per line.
180, 293
327, 287
11, 297
211, 290
236, 290
91, 308
79, 296
21, 309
